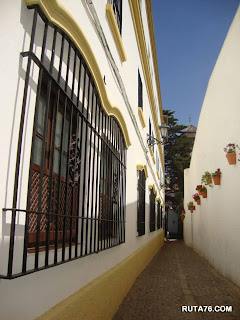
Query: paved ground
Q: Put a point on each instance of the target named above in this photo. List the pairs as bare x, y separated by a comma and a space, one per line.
177, 276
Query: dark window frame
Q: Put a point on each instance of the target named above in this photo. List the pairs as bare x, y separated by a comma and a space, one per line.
158, 215
117, 9
152, 211
140, 91
141, 203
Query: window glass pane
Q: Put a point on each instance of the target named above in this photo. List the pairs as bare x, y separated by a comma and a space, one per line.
38, 143
58, 129
41, 114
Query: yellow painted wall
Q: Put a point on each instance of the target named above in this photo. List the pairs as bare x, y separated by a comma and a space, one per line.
101, 298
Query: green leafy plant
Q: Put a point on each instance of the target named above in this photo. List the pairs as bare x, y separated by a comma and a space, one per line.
196, 196
203, 189
207, 179
190, 205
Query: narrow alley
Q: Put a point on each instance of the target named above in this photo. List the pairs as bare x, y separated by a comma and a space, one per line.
178, 276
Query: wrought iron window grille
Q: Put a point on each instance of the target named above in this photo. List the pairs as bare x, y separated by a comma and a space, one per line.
152, 220
77, 177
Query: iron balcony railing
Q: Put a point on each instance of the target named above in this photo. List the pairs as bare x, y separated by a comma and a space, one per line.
75, 195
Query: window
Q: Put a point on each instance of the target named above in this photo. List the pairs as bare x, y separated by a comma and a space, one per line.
117, 9
53, 188
161, 217
140, 91
158, 215
151, 132
77, 175
141, 203
152, 211
157, 161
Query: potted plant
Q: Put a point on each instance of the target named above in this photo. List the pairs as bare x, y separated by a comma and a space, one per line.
198, 188
196, 197
230, 149
216, 177
207, 179
183, 211
190, 206
182, 217
203, 192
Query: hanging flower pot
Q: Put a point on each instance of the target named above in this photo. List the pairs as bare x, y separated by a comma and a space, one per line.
216, 177
182, 217
198, 202
204, 194
230, 149
196, 197
231, 157
207, 179
198, 188
183, 211
190, 206
216, 180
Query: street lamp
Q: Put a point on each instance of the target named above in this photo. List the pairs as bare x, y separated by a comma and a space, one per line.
168, 180
164, 134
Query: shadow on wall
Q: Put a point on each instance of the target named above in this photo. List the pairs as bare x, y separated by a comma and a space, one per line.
51, 287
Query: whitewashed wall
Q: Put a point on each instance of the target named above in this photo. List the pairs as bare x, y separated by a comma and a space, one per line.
213, 229
55, 284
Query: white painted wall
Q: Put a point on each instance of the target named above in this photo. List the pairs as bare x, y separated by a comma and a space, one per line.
53, 285
213, 229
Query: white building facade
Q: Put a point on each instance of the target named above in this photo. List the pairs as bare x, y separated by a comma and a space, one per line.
80, 94
213, 228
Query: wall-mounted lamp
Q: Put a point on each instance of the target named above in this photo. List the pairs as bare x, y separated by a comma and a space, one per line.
164, 134
168, 180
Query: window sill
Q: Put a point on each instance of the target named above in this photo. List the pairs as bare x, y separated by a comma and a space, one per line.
140, 113
115, 31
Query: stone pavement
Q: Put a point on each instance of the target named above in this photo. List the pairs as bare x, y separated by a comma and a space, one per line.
178, 276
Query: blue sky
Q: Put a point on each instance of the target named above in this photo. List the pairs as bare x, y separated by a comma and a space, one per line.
189, 35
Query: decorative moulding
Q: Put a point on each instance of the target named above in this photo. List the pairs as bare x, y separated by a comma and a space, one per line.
141, 167
141, 116
142, 48
152, 186
61, 17
152, 154
115, 31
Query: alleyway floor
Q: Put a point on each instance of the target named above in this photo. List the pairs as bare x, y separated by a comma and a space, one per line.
178, 276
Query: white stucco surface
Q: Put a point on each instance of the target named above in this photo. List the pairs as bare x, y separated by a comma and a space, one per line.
29, 296
213, 229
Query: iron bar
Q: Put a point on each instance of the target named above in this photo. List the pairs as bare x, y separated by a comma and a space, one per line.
97, 188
